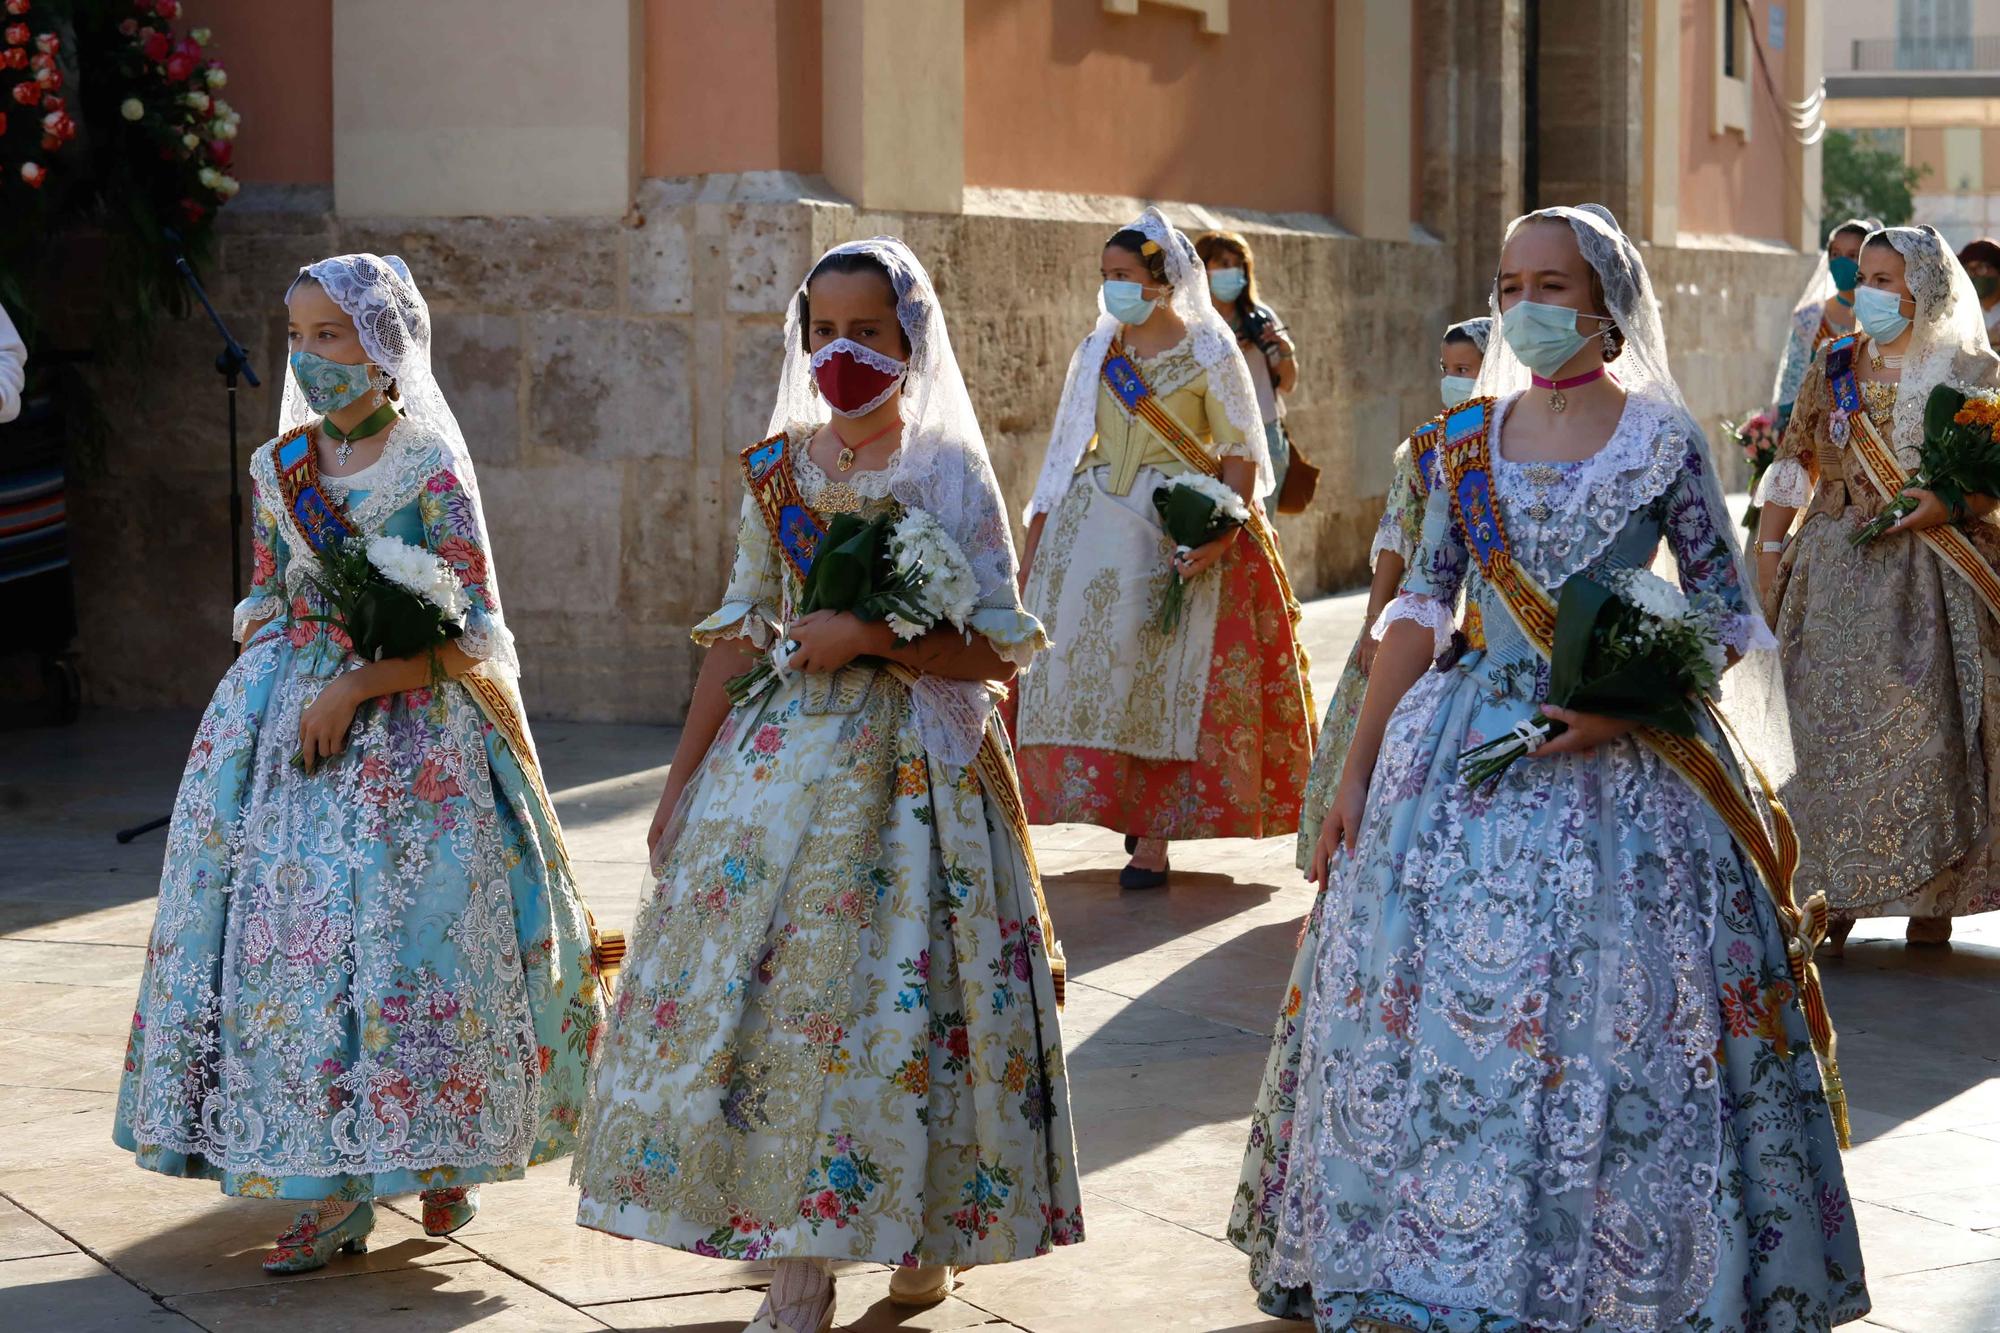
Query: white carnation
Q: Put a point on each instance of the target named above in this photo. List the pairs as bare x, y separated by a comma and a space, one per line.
424, 574
1225, 497
1651, 594
919, 546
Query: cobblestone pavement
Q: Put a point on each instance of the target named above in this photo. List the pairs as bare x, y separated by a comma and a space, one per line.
1171, 997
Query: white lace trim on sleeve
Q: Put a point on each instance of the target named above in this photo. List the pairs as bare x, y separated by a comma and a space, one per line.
1389, 537
253, 609
1426, 610
738, 619
1786, 485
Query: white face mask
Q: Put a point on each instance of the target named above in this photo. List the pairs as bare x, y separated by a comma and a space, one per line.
1545, 337
1880, 313
1455, 389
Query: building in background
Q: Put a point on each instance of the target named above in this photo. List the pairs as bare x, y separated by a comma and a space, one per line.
608, 210
1921, 78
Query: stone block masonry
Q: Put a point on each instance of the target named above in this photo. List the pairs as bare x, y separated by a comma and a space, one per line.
608, 373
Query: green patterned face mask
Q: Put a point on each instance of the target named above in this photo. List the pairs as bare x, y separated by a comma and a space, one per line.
327, 385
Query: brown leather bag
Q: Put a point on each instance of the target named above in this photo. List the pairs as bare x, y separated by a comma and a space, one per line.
1295, 493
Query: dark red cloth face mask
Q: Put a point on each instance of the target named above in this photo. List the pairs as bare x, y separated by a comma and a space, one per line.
855, 380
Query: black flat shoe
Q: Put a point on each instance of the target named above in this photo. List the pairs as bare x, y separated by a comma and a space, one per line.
1133, 877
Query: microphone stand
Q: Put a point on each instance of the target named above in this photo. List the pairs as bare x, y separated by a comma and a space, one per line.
231, 363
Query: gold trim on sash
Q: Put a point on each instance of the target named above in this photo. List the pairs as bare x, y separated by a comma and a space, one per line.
1879, 463
1693, 758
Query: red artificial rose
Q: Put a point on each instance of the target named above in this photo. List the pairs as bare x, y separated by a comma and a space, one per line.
143, 6
48, 43
48, 80
17, 34
17, 7
156, 46
50, 143
191, 211
167, 9
179, 66
41, 61
57, 125
14, 57
220, 151
32, 173
129, 27
27, 92
3, 122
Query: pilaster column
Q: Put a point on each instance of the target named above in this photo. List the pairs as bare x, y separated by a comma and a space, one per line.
486, 108
892, 88
1372, 69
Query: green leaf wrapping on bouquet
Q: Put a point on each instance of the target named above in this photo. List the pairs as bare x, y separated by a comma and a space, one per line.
1581, 679
1191, 518
847, 565
388, 621
1944, 403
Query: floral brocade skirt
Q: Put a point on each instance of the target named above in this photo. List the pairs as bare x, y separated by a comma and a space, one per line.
836, 1031
365, 982
1892, 677
1222, 750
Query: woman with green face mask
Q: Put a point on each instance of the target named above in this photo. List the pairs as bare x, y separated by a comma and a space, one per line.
1888, 647
371, 971
1267, 345
1825, 310
1199, 730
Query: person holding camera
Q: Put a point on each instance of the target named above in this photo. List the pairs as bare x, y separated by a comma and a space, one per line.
1274, 366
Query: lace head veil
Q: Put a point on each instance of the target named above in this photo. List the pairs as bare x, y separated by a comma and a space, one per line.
1215, 349
379, 295
1480, 330
1947, 334
1753, 695
942, 469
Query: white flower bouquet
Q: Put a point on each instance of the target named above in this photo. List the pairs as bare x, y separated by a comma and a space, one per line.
1195, 510
904, 571
1633, 647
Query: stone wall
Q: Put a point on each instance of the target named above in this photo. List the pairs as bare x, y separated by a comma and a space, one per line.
1727, 305
607, 373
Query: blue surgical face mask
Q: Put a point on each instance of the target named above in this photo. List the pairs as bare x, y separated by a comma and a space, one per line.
327, 385
1127, 302
1456, 389
1545, 337
1880, 314
1226, 284
1846, 272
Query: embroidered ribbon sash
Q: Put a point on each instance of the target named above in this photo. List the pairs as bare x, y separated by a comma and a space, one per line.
326, 526
797, 530
1878, 461
1129, 386
1468, 472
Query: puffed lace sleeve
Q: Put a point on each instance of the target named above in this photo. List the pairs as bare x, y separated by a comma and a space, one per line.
1229, 441
452, 529
1401, 530
753, 603
267, 568
1798, 355
1432, 582
1703, 555
1788, 481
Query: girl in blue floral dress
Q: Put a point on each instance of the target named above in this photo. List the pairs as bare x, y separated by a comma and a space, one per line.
370, 971
1555, 1071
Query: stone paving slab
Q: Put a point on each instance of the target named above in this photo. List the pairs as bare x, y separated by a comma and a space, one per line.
1170, 1004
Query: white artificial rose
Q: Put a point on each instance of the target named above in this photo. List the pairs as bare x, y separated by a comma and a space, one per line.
198, 100
209, 177
190, 141
217, 77
132, 109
